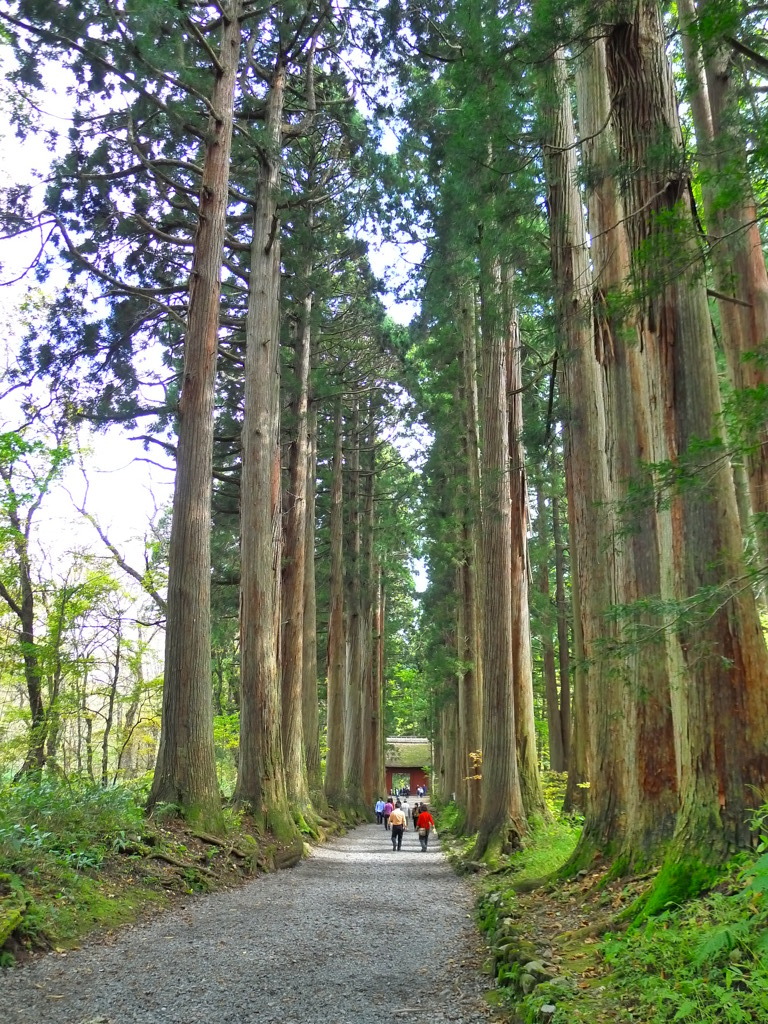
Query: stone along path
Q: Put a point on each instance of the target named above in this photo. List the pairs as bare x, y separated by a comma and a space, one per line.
356, 934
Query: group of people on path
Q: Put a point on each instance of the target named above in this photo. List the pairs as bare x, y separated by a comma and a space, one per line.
395, 815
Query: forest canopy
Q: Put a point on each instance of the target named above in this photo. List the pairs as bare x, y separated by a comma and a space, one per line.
571, 434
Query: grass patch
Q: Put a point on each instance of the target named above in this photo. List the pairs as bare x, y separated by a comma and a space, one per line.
579, 944
705, 962
56, 842
545, 849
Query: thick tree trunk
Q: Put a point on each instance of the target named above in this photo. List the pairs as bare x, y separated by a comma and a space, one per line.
588, 479
470, 595
374, 738
720, 705
185, 773
353, 695
642, 654
337, 643
449, 729
557, 761
294, 570
502, 821
261, 782
736, 251
522, 663
461, 671
309, 693
373, 707
563, 640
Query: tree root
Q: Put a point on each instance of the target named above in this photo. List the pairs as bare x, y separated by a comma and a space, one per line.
607, 924
184, 865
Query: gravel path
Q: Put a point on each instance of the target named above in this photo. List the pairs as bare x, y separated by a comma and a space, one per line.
356, 934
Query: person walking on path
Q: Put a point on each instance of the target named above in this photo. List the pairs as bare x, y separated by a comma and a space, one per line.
417, 809
379, 809
425, 824
397, 825
388, 808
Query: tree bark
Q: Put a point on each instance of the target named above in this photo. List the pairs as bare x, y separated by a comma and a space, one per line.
373, 744
557, 761
294, 570
641, 654
261, 783
736, 252
563, 645
502, 821
522, 667
470, 595
355, 684
185, 773
310, 695
720, 705
587, 475
336, 669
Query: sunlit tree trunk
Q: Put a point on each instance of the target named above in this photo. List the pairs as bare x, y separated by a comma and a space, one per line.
641, 656
720, 707
185, 773
598, 722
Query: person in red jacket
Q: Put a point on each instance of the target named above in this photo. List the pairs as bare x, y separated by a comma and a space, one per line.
425, 823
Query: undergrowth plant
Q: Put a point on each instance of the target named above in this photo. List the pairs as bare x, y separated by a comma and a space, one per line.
55, 836
74, 823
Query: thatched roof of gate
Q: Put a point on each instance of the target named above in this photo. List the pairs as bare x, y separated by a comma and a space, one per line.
407, 752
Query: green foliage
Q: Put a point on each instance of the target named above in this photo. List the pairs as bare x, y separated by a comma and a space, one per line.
702, 962
75, 824
54, 837
407, 702
545, 849
226, 738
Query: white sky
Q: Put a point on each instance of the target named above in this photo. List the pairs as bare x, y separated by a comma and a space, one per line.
124, 490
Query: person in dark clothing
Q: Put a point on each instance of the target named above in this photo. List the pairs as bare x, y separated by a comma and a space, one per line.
417, 809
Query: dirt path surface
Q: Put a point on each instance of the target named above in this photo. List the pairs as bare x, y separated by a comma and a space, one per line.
356, 934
